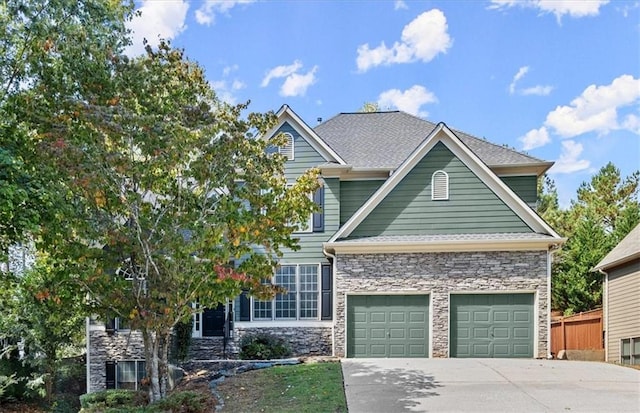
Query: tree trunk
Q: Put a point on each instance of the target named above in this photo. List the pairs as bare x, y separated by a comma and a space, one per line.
151, 356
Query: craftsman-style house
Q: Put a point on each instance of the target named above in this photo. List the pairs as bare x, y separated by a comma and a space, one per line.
428, 245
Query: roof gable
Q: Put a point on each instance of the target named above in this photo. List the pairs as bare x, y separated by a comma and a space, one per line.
286, 115
469, 207
626, 250
441, 133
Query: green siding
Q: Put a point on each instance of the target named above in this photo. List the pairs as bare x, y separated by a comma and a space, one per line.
353, 194
471, 208
310, 243
526, 187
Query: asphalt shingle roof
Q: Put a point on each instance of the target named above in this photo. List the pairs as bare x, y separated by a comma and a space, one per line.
386, 139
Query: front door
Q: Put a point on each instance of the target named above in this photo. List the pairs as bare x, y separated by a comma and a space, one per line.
213, 321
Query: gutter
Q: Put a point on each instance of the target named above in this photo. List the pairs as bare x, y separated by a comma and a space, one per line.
605, 312
552, 249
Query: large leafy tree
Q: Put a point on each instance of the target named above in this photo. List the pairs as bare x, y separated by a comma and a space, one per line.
605, 210
56, 48
166, 186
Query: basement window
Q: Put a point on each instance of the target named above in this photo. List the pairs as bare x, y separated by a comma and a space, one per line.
440, 186
630, 351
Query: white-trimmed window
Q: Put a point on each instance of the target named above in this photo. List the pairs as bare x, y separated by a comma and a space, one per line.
630, 351
287, 149
299, 302
440, 186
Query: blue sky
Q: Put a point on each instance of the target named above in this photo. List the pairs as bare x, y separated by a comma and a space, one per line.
556, 79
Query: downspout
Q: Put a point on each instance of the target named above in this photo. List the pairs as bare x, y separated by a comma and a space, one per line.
334, 268
552, 249
605, 312
88, 358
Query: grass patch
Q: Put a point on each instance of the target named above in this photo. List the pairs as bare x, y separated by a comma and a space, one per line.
299, 388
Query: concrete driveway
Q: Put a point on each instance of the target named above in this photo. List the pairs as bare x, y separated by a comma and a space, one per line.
488, 385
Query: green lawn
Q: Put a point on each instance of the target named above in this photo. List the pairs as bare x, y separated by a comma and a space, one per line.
298, 388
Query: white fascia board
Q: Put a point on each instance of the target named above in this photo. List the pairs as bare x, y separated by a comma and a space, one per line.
442, 133
364, 247
286, 115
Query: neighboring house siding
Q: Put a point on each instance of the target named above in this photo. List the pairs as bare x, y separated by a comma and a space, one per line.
471, 208
526, 187
353, 194
622, 307
439, 274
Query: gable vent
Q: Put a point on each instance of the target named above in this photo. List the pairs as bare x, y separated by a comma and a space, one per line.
287, 149
439, 186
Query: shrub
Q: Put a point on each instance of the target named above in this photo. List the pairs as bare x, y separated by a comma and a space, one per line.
115, 398
263, 346
183, 402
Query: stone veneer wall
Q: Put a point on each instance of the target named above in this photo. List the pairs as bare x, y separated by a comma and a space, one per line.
439, 274
304, 341
121, 345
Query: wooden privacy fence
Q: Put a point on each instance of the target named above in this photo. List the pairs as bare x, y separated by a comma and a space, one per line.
577, 332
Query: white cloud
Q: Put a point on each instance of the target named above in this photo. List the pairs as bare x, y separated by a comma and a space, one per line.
422, 39
568, 161
596, 109
539, 90
400, 4
158, 19
281, 71
408, 101
206, 14
573, 8
535, 138
296, 84
521, 72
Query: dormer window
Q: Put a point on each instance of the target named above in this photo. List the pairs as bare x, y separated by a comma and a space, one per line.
440, 186
287, 148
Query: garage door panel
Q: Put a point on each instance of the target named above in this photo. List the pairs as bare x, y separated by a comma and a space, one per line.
396, 326
397, 333
501, 332
480, 332
521, 316
501, 317
378, 317
480, 350
491, 325
397, 317
377, 333
481, 315
522, 333
417, 317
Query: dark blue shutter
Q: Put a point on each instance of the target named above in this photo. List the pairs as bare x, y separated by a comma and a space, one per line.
327, 292
110, 324
110, 367
318, 217
245, 307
